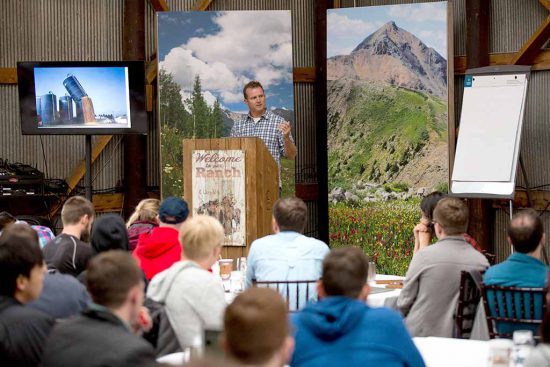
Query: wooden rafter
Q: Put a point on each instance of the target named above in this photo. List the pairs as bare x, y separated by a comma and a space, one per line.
8, 75
545, 3
541, 61
151, 70
80, 170
202, 5
531, 48
159, 5
303, 75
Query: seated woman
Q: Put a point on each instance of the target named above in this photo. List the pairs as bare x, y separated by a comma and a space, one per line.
142, 220
424, 231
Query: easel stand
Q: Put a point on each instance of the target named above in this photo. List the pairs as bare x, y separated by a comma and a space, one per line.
88, 173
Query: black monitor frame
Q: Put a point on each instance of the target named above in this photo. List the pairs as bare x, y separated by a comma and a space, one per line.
27, 98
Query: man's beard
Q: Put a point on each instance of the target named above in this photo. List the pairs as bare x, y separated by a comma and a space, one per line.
85, 235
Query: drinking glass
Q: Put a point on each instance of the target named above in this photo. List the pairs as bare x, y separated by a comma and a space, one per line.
371, 277
226, 267
241, 265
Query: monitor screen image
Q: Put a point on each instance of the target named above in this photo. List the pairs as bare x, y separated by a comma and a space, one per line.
82, 97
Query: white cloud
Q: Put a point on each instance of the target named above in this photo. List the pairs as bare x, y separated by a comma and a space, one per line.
209, 98
247, 40
249, 45
420, 13
184, 66
341, 25
345, 33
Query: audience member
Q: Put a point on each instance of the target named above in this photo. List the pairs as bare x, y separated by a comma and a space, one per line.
23, 330
287, 254
143, 220
6, 219
102, 335
256, 330
63, 296
69, 252
523, 268
432, 282
342, 329
158, 250
193, 297
424, 231
108, 233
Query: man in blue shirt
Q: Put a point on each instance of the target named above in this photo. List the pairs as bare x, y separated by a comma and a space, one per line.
523, 268
287, 254
341, 329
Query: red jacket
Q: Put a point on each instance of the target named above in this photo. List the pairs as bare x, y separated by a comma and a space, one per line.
158, 250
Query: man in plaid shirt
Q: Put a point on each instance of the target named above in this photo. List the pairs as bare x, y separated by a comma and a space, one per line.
264, 124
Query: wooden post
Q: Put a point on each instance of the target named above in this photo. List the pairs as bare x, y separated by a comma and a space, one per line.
477, 55
320, 29
135, 146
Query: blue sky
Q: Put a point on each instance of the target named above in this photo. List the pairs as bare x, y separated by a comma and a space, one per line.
228, 49
106, 86
347, 27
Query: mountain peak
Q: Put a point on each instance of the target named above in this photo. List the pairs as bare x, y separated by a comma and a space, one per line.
390, 26
396, 56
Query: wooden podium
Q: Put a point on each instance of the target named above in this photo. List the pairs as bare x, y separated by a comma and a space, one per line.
235, 180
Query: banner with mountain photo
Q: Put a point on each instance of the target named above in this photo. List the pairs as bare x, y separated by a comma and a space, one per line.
205, 59
388, 121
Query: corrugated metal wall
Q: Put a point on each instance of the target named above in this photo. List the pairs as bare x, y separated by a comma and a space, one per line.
49, 30
92, 30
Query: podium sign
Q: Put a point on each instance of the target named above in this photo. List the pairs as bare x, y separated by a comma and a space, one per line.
218, 182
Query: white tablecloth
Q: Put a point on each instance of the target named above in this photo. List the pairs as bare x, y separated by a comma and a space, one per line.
385, 299
448, 352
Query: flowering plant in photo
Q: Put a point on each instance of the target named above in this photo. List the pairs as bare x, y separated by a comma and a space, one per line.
383, 230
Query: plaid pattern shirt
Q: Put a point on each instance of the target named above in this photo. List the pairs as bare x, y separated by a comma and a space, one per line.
267, 130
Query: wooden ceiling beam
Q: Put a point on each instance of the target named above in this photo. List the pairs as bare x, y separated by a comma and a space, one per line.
526, 55
202, 5
545, 3
159, 5
541, 61
8, 75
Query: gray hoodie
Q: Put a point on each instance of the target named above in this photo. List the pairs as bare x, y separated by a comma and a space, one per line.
193, 298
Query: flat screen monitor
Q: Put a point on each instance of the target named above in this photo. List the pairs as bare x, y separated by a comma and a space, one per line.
88, 98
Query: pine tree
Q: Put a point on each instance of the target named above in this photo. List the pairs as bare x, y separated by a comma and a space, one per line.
172, 111
199, 111
217, 120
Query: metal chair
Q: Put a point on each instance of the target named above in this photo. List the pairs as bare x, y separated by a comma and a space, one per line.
512, 308
296, 292
468, 301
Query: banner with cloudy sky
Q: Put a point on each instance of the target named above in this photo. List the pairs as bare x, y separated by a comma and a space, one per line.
205, 59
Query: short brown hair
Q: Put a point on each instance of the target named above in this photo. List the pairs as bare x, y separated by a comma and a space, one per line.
255, 325
19, 254
290, 214
111, 275
452, 215
345, 272
526, 230
75, 208
251, 84
199, 235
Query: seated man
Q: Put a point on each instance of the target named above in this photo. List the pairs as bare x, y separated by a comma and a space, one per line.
523, 268
256, 329
192, 296
341, 329
287, 254
160, 248
23, 330
69, 252
102, 335
432, 282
